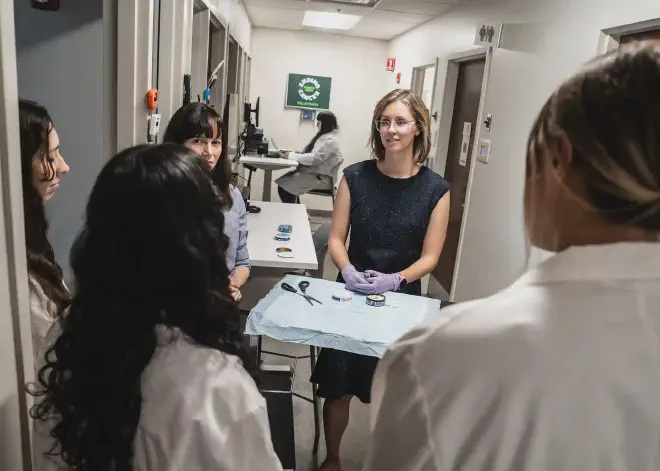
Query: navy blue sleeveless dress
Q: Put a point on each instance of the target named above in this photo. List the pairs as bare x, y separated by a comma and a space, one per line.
388, 221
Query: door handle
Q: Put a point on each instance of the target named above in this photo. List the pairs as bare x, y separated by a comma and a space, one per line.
435, 116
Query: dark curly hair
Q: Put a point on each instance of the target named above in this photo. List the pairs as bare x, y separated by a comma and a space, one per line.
35, 125
202, 120
151, 252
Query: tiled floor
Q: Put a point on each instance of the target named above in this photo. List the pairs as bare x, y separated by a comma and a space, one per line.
354, 446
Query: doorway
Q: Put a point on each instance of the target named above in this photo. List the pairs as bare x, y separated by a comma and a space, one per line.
232, 66
463, 128
423, 83
218, 54
612, 38
653, 34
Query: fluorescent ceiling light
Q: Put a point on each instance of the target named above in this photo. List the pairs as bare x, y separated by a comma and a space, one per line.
326, 20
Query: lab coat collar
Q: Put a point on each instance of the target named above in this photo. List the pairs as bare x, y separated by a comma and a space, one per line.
621, 261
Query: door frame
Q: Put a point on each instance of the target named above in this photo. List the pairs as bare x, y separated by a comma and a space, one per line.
610, 37
414, 79
433, 114
454, 62
16, 362
135, 38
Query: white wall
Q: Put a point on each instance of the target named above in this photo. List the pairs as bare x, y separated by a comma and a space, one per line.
543, 43
359, 80
16, 363
175, 58
61, 65
241, 28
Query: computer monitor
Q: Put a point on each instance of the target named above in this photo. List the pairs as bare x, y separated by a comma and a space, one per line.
248, 110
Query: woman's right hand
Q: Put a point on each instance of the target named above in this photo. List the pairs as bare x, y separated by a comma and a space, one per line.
354, 280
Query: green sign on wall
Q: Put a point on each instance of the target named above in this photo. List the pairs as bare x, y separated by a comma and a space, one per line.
308, 91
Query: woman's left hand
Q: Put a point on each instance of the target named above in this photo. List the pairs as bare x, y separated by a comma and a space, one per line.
235, 293
381, 282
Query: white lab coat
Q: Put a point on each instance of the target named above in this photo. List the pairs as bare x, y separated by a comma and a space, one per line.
560, 371
42, 315
200, 411
318, 169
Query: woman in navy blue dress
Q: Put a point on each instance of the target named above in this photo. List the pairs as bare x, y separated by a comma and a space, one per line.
397, 211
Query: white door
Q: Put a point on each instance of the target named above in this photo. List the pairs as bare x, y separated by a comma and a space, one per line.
429, 94
15, 341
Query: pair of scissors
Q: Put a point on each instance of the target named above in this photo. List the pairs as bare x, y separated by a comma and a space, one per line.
303, 285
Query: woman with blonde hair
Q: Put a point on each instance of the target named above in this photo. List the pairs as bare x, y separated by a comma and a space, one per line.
561, 370
397, 211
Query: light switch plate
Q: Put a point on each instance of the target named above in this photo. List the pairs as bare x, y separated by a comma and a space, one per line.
484, 151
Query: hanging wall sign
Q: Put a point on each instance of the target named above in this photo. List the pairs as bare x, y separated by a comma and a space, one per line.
391, 64
487, 34
308, 91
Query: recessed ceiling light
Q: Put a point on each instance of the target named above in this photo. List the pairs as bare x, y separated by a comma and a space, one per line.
326, 20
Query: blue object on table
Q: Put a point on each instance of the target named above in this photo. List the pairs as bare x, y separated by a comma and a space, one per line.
352, 326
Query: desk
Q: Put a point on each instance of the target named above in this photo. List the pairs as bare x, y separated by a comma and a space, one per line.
262, 228
347, 326
268, 164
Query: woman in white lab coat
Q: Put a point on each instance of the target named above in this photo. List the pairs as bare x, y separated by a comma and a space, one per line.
145, 369
318, 163
42, 167
561, 370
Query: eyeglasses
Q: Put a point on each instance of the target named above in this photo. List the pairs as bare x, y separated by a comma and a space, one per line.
399, 124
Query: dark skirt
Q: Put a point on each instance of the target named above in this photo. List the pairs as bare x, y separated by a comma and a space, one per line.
338, 373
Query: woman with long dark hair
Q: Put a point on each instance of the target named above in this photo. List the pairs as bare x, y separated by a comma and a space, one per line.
144, 370
41, 168
198, 126
319, 162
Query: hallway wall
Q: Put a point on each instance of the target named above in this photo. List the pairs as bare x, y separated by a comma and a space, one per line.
61, 65
359, 80
543, 43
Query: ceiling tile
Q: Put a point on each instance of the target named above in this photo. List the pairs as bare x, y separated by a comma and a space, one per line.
390, 19
381, 27
289, 4
409, 18
415, 6
449, 2
275, 17
335, 7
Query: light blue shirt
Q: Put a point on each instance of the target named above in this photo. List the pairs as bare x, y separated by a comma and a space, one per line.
237, 231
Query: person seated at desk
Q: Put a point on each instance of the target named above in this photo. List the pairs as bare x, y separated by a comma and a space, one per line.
145, 371
319, 162
199, 127
397, 211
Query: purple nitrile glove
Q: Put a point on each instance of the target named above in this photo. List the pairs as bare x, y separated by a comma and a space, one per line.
354, 280
381, 282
